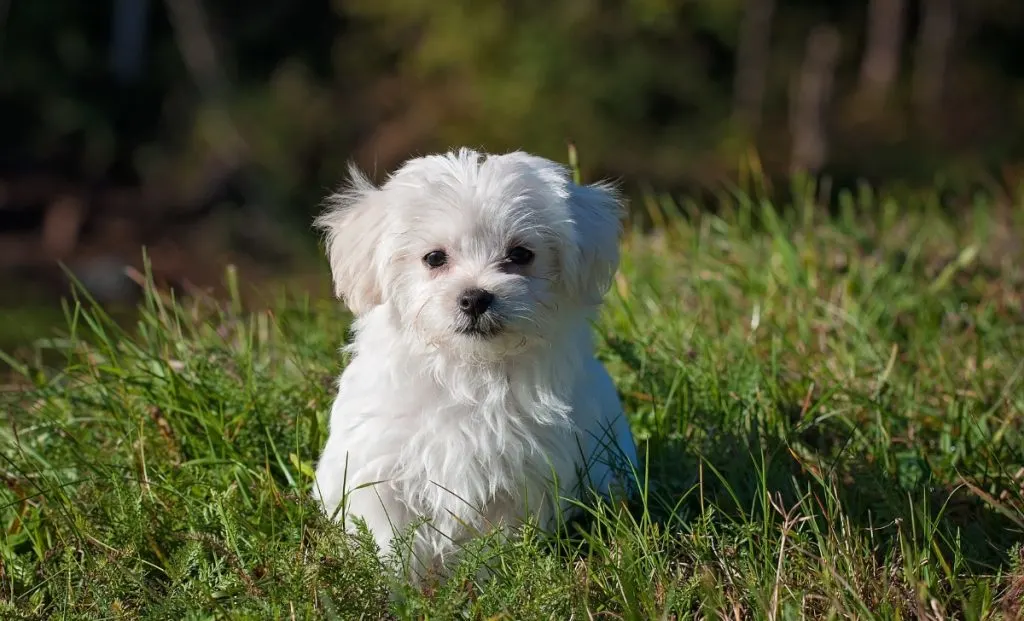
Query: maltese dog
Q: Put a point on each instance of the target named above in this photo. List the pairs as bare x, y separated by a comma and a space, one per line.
472, 400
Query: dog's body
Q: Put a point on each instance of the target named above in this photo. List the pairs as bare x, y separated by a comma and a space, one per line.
473, 399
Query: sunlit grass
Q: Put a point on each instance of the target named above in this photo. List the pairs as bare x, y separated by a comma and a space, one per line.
830, 409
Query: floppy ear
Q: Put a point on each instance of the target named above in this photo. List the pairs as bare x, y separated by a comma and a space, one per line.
596, 212
354, 223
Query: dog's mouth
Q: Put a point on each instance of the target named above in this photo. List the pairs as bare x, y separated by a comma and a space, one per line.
481, 329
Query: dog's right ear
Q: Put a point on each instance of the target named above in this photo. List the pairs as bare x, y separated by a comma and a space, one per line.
354, 224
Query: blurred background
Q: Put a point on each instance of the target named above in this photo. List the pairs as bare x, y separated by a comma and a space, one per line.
209, 130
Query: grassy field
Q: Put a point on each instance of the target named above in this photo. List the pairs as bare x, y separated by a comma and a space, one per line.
830, 407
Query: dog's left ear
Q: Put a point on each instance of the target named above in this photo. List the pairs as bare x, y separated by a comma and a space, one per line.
596, 212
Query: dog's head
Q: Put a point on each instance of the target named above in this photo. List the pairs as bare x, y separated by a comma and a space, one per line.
476, 251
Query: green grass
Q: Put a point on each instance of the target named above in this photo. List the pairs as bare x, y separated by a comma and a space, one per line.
830, 407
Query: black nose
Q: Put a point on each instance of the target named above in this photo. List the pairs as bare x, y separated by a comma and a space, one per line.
475, 302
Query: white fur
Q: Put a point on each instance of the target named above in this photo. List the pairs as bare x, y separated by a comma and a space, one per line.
465, 432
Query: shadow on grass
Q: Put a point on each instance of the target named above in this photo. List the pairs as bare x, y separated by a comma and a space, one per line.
736, 473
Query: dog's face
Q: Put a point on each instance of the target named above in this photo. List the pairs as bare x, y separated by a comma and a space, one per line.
475, 253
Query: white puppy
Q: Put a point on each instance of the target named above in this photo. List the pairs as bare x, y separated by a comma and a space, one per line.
473, 399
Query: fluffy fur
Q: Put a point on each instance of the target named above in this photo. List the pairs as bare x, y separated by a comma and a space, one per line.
450, 423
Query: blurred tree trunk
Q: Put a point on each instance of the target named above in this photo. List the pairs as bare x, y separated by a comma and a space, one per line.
752, 56
810, 99
884, 41
128, 38
192, 33
934, 40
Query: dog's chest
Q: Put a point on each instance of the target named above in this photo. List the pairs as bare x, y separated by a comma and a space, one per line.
478, 458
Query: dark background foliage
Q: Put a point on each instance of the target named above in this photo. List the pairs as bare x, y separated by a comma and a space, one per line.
208, 130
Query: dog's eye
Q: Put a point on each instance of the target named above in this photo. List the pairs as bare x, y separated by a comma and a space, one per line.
520, 256
435, 259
